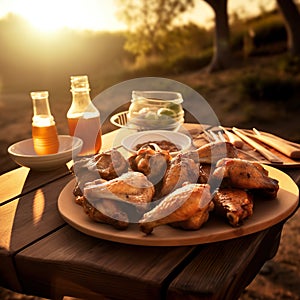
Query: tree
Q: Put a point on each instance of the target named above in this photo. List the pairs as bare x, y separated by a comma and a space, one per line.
291, 17
222, 57
148, 22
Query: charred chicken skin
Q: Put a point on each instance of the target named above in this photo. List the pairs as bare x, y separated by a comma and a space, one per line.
105, 211
243, 174
111, 164
234, 204
180, 205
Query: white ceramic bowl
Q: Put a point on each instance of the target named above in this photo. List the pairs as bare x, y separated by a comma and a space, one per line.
24, 155
181, 140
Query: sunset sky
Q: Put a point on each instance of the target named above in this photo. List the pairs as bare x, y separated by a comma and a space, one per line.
49, 15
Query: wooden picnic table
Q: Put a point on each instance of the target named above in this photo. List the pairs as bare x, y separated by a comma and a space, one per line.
43, 255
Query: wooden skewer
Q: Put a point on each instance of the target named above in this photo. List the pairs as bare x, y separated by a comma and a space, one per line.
279, 144
233, 139
296, 145
263, 151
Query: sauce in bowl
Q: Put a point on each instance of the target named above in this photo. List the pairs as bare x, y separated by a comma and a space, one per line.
163, 145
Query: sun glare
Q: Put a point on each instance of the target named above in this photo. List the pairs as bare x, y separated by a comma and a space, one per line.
51, 15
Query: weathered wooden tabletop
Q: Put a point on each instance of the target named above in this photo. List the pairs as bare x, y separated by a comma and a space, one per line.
42, 255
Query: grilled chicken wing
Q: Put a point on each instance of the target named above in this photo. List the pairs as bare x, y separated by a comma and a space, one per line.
180, 205
106, 165
234, 204
105, 211
243, 174
197, 220
111, 164
152, 163
132, 187
182, 169
212, 152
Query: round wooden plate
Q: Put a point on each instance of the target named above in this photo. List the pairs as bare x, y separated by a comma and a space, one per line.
266, 213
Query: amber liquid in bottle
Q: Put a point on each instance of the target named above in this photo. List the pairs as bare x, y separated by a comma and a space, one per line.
89, 130
83, 117
45, 140
44, 133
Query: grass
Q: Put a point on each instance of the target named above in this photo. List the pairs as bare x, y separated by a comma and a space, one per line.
269, 88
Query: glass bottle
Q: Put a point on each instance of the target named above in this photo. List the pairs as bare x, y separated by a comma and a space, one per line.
83, 117
44, 132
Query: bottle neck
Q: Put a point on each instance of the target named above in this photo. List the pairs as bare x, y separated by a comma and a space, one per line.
41, 110
81, 97
81, 103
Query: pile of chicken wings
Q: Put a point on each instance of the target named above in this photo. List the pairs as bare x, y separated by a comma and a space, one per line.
152, 188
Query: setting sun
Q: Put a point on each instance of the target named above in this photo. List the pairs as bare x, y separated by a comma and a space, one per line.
51, 15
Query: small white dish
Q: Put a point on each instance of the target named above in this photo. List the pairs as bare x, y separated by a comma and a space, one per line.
181, 140
24, 155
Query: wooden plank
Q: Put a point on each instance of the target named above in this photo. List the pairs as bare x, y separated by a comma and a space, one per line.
222, 270
23, 180
250, 268
8, 275
30, 216
80, 266
25, 220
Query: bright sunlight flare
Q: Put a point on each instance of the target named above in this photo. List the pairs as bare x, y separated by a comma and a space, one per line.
51, 15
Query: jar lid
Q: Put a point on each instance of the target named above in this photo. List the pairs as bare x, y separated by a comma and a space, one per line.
167, 96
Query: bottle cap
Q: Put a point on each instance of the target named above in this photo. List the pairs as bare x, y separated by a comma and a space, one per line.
80, 83
39, 94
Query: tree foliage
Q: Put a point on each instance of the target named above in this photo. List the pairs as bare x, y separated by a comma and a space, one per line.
148, 23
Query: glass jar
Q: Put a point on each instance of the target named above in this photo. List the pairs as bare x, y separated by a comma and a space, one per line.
152, 110
44, 132
83, 117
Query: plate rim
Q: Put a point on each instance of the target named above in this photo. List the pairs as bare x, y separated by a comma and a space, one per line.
180, 237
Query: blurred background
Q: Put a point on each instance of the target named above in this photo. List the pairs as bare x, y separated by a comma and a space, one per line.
241, 56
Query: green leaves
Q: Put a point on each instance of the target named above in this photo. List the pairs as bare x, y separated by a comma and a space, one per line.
149, 22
